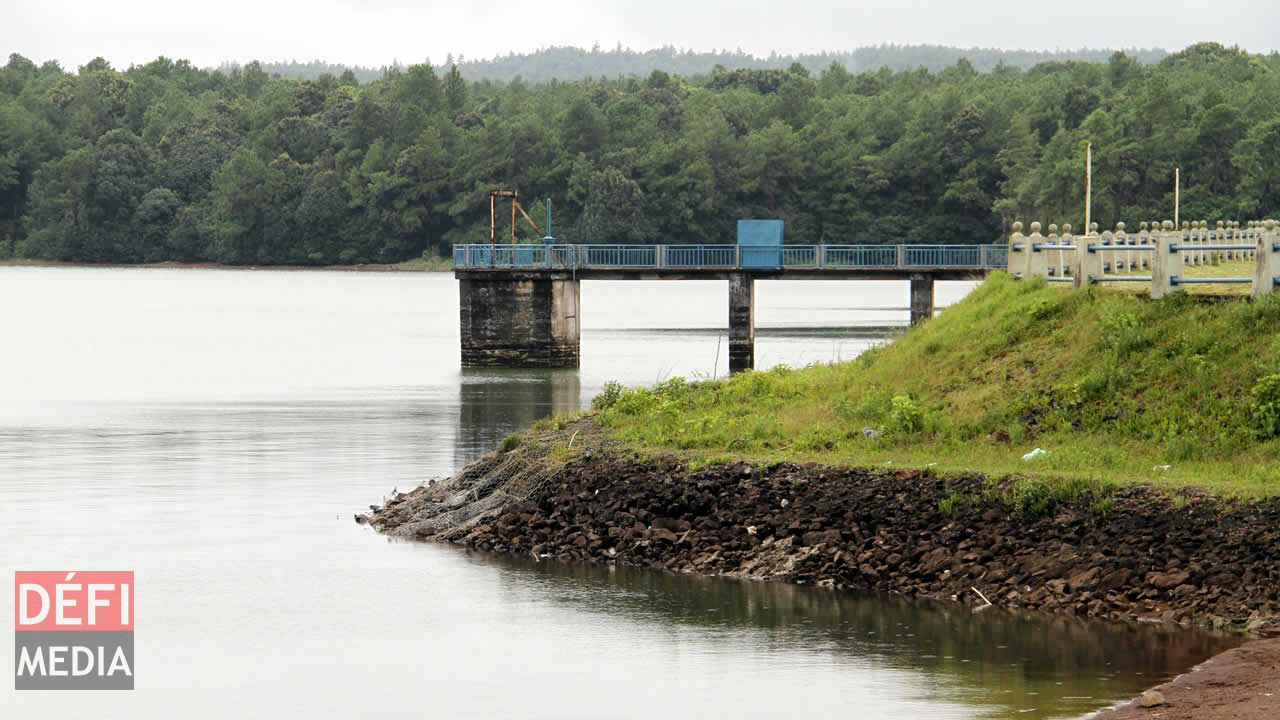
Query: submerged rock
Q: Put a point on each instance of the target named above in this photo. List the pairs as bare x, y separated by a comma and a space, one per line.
1151, 698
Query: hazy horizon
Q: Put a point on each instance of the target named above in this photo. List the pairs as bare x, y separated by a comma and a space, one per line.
379, 33
444, 60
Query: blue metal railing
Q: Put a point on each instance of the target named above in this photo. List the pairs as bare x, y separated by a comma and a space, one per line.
618, 256
718, 257
872, 256
694, 256
800, 256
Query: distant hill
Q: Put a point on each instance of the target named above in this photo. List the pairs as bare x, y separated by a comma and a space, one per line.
570, 63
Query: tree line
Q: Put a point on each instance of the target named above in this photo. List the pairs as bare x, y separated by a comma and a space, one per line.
572, 63
166, 161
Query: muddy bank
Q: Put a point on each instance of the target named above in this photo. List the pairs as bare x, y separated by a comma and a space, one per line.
1242, 683
1146, 556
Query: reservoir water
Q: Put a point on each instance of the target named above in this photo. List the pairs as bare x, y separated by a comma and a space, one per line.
216, 430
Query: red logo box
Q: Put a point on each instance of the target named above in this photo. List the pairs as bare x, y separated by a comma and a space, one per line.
73, 600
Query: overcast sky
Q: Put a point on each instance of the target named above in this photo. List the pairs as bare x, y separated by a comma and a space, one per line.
376, 32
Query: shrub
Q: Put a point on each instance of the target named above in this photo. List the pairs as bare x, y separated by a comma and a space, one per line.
633, 401
1033, 498
1044, 309
1265, 411
608, 396
907, 417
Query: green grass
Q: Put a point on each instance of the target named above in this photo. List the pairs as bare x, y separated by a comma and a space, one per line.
1116, 387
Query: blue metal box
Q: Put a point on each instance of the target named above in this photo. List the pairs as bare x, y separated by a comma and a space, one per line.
760, 243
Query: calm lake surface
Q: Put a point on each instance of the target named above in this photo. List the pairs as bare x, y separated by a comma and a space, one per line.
215, 431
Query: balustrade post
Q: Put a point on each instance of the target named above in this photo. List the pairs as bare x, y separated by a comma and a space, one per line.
1267, 264
1118, 259
1119, 238
1087, 265
1019, 251
1057, 267
1166, 265
1037, 258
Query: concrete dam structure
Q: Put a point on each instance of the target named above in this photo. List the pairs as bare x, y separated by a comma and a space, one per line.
519, 303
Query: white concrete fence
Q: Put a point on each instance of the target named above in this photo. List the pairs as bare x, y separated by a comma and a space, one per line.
1157, 254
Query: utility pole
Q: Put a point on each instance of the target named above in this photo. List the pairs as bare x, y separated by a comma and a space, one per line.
1177, 195
1088, 187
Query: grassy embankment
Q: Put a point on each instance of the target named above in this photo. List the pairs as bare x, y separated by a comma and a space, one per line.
1115, 387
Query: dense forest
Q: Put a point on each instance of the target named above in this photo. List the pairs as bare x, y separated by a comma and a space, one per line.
571, 63
166, 161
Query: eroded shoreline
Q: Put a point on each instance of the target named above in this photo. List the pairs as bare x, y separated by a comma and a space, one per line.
1192, 558
1189, 558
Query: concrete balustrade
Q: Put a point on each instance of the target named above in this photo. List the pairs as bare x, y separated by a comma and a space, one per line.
1161, 247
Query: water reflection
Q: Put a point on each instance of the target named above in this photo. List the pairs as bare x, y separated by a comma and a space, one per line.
1026, 664
493, 403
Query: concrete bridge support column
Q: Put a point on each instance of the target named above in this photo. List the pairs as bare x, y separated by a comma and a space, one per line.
510, 320
742, 322
921, 297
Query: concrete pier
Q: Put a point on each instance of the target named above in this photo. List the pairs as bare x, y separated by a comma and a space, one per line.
519, 319
742, 322
921, 297
519, 302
